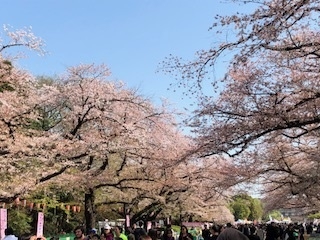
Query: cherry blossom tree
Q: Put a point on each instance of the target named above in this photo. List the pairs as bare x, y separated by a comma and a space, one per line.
95, 135
115, 141
264, 112
54, 131
18, 101
106, 137
14, 38
88, 132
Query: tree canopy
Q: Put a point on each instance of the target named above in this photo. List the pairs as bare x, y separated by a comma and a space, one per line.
246, 207
84, 132
264, 112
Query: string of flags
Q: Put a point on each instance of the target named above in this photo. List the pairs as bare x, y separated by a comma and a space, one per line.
39, 206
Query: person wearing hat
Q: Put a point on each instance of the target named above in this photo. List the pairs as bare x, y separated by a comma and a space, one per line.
91, 233
107, 232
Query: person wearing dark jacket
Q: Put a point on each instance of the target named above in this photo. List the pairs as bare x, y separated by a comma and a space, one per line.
272, 231
205, 232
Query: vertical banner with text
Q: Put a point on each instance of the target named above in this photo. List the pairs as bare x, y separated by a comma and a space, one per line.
3, 222
127, 220
40, 224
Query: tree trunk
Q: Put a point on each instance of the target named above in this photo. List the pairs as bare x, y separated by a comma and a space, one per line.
90, 211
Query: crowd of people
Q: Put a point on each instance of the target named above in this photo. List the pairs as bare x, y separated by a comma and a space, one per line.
272, 231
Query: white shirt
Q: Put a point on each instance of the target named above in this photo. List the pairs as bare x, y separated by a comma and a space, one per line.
10, 237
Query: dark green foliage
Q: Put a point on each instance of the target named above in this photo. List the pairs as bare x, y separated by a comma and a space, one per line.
244, 206
20, 220
57, 218
48, 116
314, 216
240, 209
47, 119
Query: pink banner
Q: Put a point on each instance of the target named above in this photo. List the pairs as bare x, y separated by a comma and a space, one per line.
127, 220
40, 224
3, 221
149, 225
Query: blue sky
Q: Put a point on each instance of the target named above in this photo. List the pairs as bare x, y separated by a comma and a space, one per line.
130, 36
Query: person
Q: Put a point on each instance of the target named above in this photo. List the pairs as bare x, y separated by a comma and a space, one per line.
254, 236
229, 225
35, 237
79, 233
91, 233
28, 236
107, 232
145, 237
260, 232
309, 229
118, 231
184, 234
230, 233
129, 233
153, 234
205, 232
301, 232
246, 230
138, 230
272, 231
168, 234
102, 236
214, 232
9, 234
290, 232
95, 237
